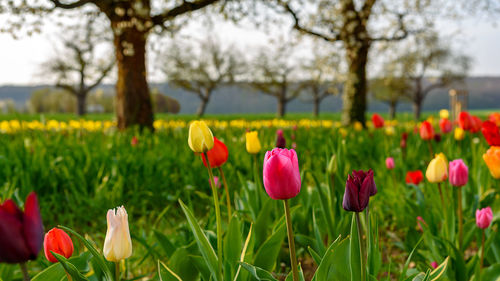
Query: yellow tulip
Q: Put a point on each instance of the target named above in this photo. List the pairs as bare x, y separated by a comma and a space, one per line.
343, 132
253, 143
492, 160
441, 155
459, 134
200, 138
437, 171
389, 130
358, 126
118, 245
444, 114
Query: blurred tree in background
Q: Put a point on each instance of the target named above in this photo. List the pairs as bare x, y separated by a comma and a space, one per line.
78, 68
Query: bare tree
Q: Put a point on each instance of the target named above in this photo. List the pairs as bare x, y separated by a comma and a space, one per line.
429, 64
132, 21
390, 90
322, 77
203, 70
78, 69
273, 75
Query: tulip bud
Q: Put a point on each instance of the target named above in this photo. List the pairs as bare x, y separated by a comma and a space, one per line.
217, 155
389, 163
118, 245
437, 171
459, 173
378, 121
420, 223
21, 233
280, 139
491, 133
135, 141
200, 138
414, 177
281, 174
434, 264
459, 134
57, 241
445, 126
492, 160
484, 217
426, 131
358, 189
252, 142
332, 165
444, 114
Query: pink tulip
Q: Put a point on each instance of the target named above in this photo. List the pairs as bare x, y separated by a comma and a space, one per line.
216, 181
389, 163
420, 222
281, 173
459, 173
434, 264
484, 217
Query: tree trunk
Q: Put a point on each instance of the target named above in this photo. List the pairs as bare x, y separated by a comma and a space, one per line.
281, 107
417, 108
392, 110
133, 101
81, 104
316, 104
203, 106
417, 99
354, 98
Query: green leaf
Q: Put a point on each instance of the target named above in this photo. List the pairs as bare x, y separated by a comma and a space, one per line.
491, 273
70, 268
407, 263
206, 249
335, 263
56, 271
316, 257
267, 254
243, 252
439, 271
166, 274
99, 259
301, 275
259, 273
233, 242
181, 263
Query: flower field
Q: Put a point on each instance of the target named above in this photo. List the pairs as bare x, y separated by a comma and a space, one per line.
295, 199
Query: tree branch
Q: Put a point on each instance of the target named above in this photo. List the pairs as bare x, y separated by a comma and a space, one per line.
401, 33
185, 7
73, 5
303, 29
66, 87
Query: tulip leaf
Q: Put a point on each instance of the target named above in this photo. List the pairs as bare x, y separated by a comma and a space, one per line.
407, 263
301, 275
259, 273
206, 249
267, 254
56, 271
70, 268
334, 264
243, 252
101, 263
167, 274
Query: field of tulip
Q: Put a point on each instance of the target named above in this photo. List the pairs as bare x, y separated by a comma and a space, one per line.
247, 199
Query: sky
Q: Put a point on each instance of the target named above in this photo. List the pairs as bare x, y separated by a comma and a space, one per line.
20, 59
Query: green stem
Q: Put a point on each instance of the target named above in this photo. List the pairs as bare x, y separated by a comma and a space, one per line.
117, 271
217, 215
24, 270
482, 252
257, 180
228, 199
460, 219
332, 194
291, 242
361, 247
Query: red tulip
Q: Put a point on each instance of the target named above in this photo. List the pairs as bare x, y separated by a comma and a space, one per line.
134, 141
414, 177
281, 173
404, 138
426, 131
377, 120
21, 233
491, 133
217, 155
445, 126
57, 241
476, 124
465, 120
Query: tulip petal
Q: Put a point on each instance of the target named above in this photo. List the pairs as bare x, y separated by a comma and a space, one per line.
13, 248
33, 226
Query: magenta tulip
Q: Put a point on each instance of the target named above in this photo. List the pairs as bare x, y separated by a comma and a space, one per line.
281, 173
434, 264
484, 217
21, 233
459, 173
389, 163
358, 189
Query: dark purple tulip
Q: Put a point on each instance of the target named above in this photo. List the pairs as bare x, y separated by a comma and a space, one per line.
280, 139
437, 137
21, 232
358, 189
